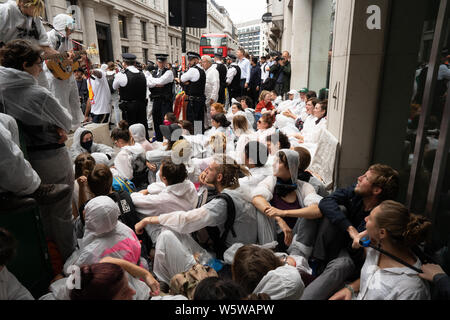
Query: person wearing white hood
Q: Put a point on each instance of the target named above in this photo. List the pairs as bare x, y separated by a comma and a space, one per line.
66, 91
83, 141
291, 202
178, 194
130, 163
45, 124
104, 236
138, 132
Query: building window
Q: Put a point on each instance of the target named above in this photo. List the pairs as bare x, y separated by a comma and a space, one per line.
123, 26
125, 49
145, 55
156, 34
144, 30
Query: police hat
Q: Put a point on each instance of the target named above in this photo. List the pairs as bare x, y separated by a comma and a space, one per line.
232, 57
192, 55
218, 55
168, 130
129, 56
161, 57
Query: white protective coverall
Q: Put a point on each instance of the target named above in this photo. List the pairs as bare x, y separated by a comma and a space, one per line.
40, 115
306, 196
15, 25
125, 160
105, 236
66, 91
138, 132
17, 174
76, 149
177, 197
11, 288
283, 283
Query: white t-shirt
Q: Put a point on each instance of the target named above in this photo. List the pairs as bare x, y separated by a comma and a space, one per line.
102, 95
391, 283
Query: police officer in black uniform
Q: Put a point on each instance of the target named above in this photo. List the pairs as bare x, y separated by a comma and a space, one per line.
160, 83
132, 86
194, 81
222, 69
233, 78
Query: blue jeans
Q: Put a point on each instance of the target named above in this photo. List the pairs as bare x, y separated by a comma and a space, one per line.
100, 118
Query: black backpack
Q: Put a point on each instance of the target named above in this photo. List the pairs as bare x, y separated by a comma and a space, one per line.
129, 217
216, 241
110, 79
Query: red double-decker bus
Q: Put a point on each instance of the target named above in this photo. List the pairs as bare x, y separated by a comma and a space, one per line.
213, 43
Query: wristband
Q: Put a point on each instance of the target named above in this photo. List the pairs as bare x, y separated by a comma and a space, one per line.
349, 287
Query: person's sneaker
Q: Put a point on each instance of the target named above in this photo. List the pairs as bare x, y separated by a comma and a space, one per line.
50, 193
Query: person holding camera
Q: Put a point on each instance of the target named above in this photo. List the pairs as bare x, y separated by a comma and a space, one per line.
281, 72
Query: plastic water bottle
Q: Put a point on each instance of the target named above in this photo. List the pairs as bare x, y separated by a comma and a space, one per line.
216, 264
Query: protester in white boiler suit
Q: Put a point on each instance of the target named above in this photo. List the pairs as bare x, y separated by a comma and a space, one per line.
178, 194
66, 91
283, 183
105, 236
45, 124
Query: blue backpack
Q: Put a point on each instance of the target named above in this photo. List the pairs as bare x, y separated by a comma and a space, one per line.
120, 184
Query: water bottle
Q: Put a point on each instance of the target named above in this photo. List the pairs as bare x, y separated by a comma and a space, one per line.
365, 242
216, 264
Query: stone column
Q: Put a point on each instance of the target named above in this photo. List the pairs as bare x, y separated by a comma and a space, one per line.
355, 83
287, 38
115, 34
135, 37
320, 42
89, 28
302, 22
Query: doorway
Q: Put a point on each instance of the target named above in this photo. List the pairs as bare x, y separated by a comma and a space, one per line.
104, 42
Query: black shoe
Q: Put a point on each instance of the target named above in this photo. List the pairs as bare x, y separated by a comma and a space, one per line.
50, 193
12, 203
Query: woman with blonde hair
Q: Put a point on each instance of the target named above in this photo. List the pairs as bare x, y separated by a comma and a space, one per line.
391, 227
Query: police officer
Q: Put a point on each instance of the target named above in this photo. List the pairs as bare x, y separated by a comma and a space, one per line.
222, 69
160, 83
233, 78
132, 86
194, 81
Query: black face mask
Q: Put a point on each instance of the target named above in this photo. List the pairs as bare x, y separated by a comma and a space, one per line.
283, 188
87, 145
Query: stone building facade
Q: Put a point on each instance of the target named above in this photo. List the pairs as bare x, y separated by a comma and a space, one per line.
140, 27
